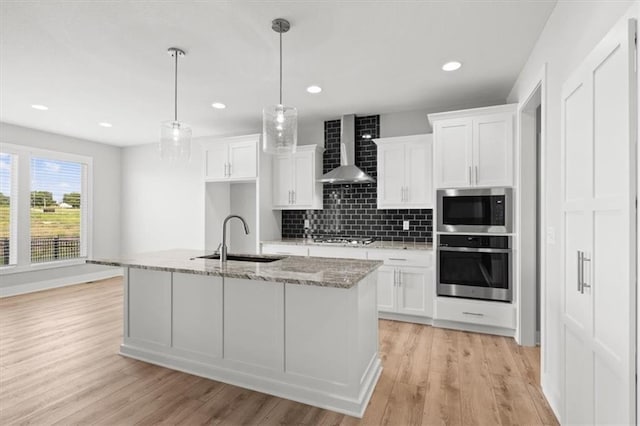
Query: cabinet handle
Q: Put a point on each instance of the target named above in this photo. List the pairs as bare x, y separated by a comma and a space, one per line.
293, 196
584, 283
397, 258
283, 252
399, 277
475, 314
470, 180
395, 277
290, 197
476, 174
579, 272
229, 169
225, 169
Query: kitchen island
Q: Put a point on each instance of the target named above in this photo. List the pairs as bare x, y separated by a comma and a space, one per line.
301, 328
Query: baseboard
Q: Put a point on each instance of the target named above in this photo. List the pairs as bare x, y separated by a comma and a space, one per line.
18, 289
405, 318
476, 328
552, 396
270, 385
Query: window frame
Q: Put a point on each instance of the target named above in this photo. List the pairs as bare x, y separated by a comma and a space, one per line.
20, 211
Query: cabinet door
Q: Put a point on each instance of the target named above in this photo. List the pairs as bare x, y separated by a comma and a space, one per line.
243, 160
386, 289
282, 172
419, 172
453, 161
493, 150
390, 175
216, 162
415, 291
303, 179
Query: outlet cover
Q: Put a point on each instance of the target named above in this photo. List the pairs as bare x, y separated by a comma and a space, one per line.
306, 224
405, 225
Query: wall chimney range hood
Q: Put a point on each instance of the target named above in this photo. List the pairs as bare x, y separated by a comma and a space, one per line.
347, 172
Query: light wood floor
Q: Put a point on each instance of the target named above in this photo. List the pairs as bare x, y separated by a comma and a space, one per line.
59, 365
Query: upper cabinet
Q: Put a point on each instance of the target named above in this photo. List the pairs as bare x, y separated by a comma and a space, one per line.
474, 148
231, 159
295, 179
405, 170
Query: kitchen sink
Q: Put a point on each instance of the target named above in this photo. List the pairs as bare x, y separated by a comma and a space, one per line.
242, 258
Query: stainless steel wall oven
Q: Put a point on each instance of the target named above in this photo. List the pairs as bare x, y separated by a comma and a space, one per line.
475, 266
486, 210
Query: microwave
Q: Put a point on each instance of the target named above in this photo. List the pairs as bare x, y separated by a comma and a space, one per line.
482, 210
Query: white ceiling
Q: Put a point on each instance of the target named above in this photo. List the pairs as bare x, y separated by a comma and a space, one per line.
93, 61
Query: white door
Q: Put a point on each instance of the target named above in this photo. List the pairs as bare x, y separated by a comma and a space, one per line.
493, 150
418, 173
413, 291
390, 175
303, 179
282, 174
216, 162
453, 156
243, 160
387, 289
598, 208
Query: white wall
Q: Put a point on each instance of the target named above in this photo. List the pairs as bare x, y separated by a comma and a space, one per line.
572, 31
162, 204
106, 201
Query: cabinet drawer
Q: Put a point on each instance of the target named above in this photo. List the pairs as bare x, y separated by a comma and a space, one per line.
476, 312
422, 258
285, 250
339, 252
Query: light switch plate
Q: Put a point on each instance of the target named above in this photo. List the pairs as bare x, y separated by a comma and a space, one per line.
306, 224
405, 225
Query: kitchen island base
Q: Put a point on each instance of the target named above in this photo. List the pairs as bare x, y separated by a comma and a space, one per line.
312, 344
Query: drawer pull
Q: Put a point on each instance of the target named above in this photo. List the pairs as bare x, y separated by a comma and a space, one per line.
397, 258
475, 314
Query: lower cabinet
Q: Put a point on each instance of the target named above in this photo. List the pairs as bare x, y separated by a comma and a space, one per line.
405, 290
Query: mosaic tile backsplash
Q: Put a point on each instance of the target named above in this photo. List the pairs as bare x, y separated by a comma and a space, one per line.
350, 210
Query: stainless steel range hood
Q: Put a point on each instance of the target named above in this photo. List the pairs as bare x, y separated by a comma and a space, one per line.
347, 172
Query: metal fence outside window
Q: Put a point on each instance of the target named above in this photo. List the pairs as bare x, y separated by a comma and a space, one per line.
45, 249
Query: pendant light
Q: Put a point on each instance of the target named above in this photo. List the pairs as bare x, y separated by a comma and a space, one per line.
279, 122
175, 136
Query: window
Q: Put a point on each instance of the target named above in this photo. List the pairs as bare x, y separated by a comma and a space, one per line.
6, 216
44, 207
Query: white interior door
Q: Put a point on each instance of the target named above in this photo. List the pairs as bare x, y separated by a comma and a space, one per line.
599, 119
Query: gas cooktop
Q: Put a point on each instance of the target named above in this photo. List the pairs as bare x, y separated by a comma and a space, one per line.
344, 240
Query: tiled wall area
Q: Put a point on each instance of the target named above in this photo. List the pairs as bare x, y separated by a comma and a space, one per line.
350, 210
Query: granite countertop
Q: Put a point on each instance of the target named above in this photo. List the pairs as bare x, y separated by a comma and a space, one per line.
393, 245
318, 271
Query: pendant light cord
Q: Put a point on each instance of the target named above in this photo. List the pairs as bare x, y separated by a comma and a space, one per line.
175, 90
280, 63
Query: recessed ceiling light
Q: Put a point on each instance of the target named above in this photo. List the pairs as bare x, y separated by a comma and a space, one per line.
366, 136
218, 105
314, 89
40, 107
105, 124
451, 66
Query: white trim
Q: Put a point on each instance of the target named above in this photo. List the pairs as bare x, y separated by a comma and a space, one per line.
18, 269
405, 318
58, 282
551, 394
475, 328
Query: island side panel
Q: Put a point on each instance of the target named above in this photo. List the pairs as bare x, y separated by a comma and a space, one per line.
368, 341
149, 305
197, 314
254, 325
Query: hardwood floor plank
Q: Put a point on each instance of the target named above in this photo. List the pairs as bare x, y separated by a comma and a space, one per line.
59, 364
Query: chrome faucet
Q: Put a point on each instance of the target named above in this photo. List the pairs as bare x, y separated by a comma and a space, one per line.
223, 248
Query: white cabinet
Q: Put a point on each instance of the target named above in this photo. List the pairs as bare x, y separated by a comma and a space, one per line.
405, 282
479, 312
405, 166
231, 159
474, 148
295, 179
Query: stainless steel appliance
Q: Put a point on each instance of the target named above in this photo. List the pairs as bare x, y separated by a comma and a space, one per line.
485, 210
475, 266
344, 240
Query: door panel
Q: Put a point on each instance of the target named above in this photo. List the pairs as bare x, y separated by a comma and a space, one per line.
282, 174
386, 289
413, 297
303, 179
243, 160
599, 130
453, 153
418, 174
493, 150
390, 175
216, 161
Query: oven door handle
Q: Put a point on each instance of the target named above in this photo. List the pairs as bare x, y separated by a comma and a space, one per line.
475, 250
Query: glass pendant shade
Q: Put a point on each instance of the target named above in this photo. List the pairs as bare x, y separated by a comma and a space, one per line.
279, 129
175, 141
